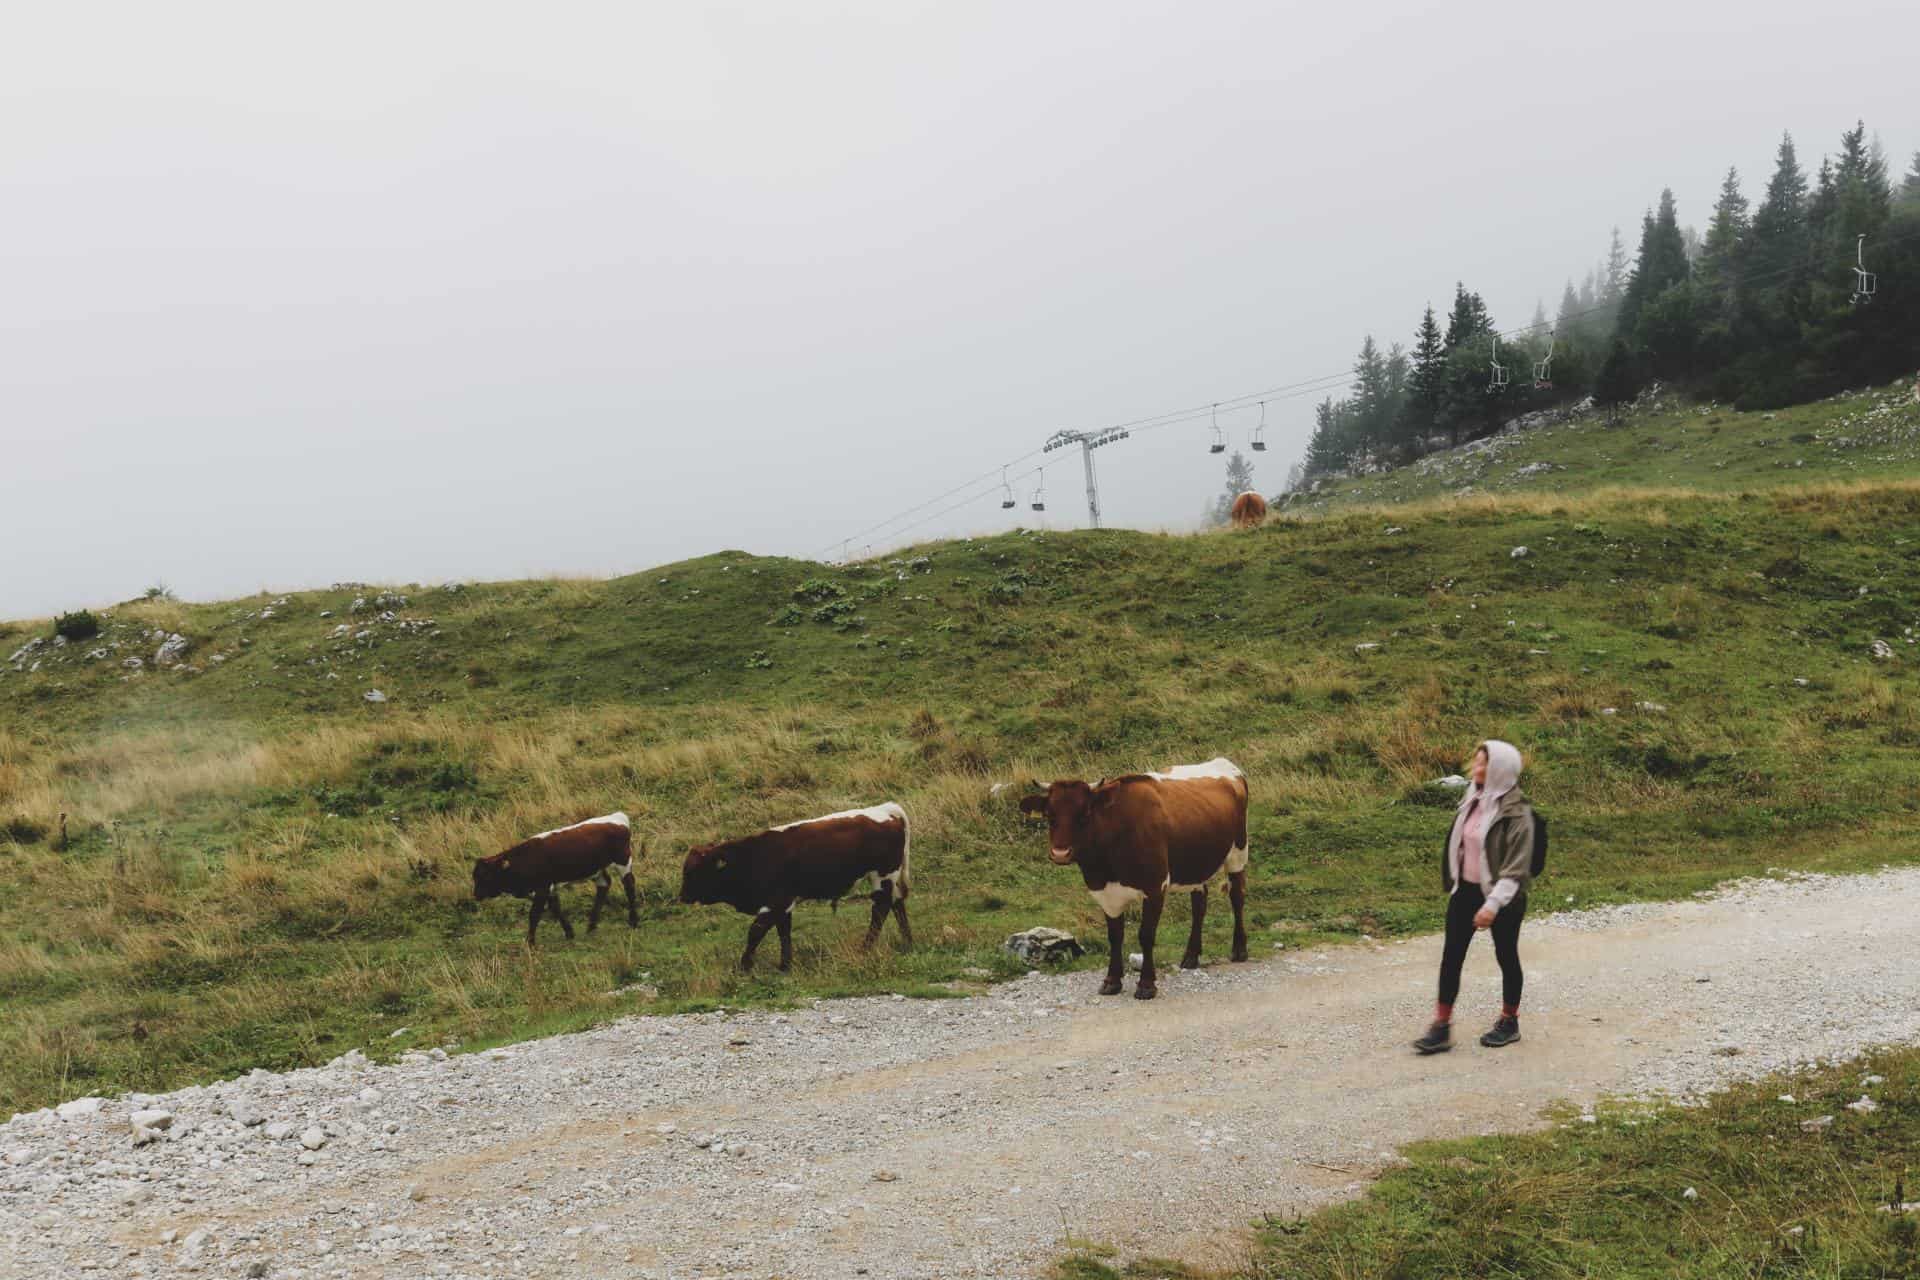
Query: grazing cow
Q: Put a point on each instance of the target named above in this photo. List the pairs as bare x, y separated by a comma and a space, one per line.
819, 859
1140, 836
594, 848
1249, 510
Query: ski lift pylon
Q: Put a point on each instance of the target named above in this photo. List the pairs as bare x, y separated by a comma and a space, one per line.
1865, 283
1543, 367
1259, 442
1498, 378
1219, 442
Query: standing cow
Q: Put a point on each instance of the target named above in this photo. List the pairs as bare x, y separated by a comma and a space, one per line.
1249, 511
533, 868
818, 859
1135, 838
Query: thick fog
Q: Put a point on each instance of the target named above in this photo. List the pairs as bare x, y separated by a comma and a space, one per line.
295, 294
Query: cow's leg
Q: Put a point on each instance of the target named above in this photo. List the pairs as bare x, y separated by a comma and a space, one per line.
1237, 894
633, 903
785, 923
601, 884
1191, 960
553, 904
882, 899
756, 931
900, 918
1145, 989
1116, 954
538, 905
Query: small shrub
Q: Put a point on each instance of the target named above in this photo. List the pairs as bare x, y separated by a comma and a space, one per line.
758, 660
23, 830
819, 590
158, 591
78, 625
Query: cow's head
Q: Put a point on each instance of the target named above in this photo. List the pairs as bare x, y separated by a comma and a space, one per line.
490, 878
703, 877
1066, 806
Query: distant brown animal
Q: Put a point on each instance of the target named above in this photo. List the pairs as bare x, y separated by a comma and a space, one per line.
1138, 837
1249, 510
533, 868
819, 859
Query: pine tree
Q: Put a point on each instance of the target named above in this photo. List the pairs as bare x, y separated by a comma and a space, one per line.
1726, 237
1567, 322
1617, 382
1426, 379
1324, 450
1910, 188
1469, 319
1613, 274
1662, 262
1539, 322
1780, 223
1239, 481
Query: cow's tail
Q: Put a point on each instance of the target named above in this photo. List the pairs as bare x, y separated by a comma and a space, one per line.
906, 852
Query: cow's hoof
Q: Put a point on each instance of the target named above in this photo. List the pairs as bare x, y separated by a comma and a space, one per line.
1190, 962
1111, 987
1145, 992
1240, 956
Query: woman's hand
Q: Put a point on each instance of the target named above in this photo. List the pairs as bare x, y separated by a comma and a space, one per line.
1483, 918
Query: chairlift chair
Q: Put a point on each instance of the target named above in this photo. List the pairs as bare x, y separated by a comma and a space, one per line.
1864, 281
1543, 367
1006, 492
1259, 444
1498, 378
1219, 442
1040, 494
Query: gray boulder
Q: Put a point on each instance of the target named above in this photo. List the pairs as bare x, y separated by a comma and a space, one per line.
1041, 944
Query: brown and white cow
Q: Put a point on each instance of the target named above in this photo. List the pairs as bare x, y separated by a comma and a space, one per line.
818, 859
1137, 838
531, 869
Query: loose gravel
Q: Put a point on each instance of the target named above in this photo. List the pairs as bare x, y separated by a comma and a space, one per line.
961, 1138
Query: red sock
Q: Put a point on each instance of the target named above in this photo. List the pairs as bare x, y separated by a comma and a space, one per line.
1442, 1012
1510, 1011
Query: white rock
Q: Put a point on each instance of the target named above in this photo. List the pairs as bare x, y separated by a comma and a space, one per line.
1815, 1125
1519, 553
313, 1139
152, 1119
1652, 708
1452, 782
1689, 1194
278, 1130
1880, 650
197, 1240
374, 695
18, 1156
306, 1158
1864, 1105
80, 1108
736, 1148
171, 650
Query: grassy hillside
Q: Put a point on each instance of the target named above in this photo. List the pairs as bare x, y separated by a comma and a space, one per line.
1665, 442
265, 868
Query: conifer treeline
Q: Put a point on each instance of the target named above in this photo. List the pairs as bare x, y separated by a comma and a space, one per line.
1759, 311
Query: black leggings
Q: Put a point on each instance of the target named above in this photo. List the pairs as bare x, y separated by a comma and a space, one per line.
1461, 908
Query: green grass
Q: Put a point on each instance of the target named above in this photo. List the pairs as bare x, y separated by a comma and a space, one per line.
1668, 443
264, 869
1608, 1197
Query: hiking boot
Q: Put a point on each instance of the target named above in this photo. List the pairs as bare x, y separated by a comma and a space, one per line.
1439, 1039
1505, 1031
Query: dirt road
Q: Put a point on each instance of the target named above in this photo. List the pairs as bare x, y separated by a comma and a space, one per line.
962, 1138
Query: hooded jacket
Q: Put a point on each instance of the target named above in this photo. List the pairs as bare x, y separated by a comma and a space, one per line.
1506, 827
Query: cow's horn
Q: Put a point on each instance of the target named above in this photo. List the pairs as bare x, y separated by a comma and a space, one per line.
1034, 784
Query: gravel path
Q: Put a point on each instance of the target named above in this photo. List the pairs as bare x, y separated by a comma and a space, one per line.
962, 1138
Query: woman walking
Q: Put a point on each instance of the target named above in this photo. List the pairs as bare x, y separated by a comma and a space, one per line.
1485, 866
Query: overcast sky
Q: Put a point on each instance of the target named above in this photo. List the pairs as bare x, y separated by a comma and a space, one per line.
410, 292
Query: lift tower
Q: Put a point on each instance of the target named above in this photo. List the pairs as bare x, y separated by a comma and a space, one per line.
1088, 442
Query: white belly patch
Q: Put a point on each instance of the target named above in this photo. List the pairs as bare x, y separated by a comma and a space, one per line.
1114, 898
